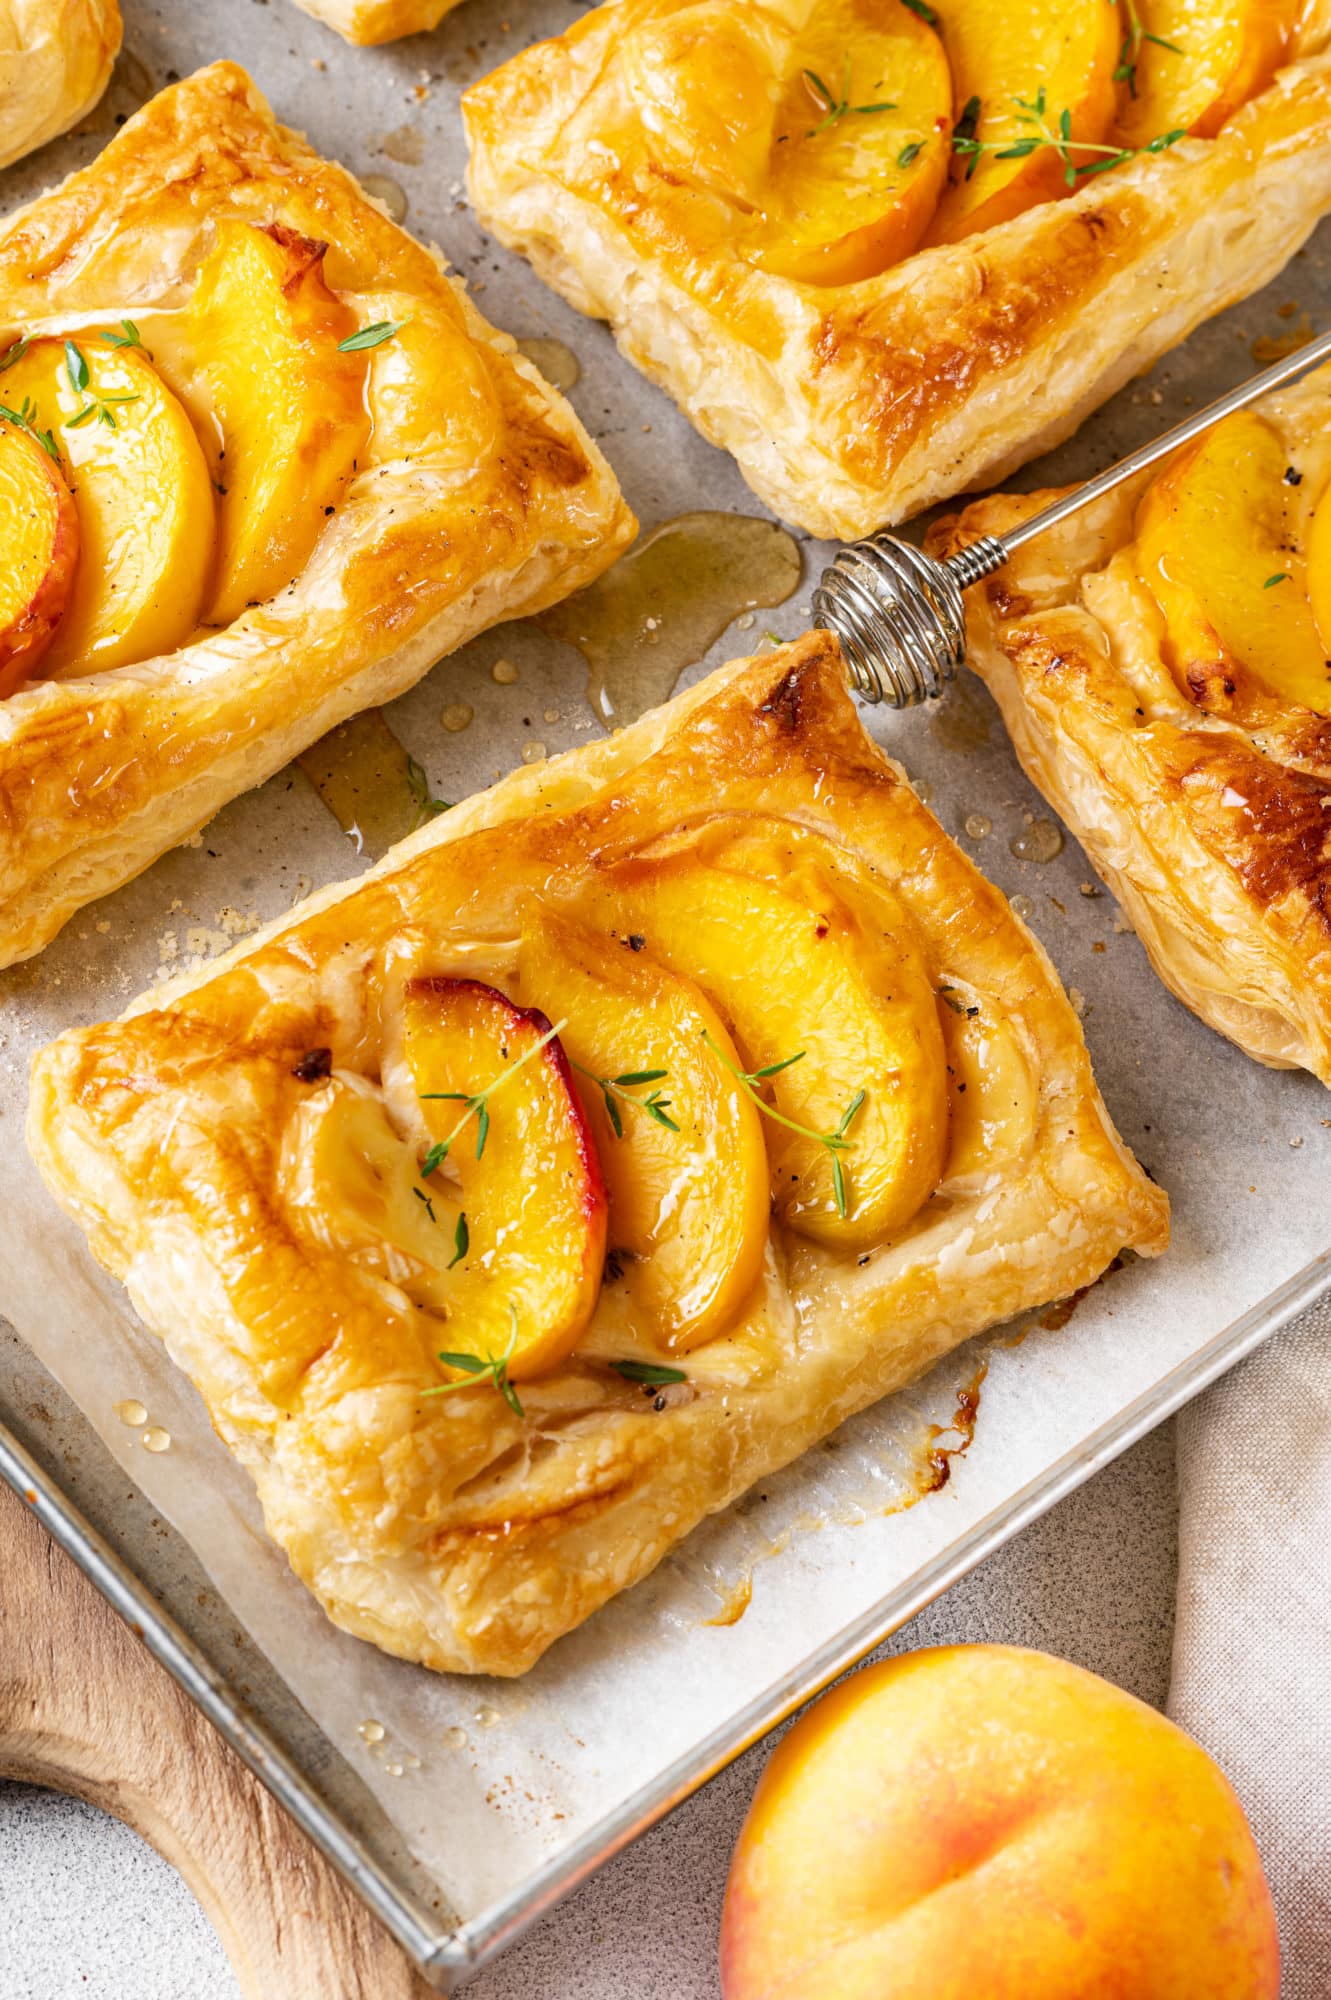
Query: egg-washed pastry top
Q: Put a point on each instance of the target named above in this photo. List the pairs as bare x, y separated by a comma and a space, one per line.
623, 1131
880, 250
366, 22
261, 465
1163, 664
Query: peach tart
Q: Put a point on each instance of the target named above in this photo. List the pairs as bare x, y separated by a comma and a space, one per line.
1163, 664
625, 1130
883, 249
261, 465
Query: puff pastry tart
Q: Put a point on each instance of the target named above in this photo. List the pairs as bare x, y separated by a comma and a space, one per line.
366, 22
869, 245
1163, 664
618, 1136
261, 464
56, 58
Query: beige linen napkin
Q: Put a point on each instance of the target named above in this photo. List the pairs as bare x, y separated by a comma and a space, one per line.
1252, 1643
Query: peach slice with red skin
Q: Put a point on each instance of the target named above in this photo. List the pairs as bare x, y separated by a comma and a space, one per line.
688, 1188
39, 527
509, 1130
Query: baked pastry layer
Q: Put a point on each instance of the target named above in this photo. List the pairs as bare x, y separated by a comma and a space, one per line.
477, 497
56, 58
443, 1526
369, 22
848, 407
1208, 816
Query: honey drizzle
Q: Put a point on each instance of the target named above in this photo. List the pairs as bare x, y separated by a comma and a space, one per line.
360, 771
559, 364
659, 609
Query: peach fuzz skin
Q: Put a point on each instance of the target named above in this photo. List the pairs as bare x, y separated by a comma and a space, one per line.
983, 1823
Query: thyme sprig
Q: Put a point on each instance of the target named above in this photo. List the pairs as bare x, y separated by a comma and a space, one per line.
834, 109
24, 418
427, 806
103, 408
834, 1143
1130, 52
1046, 133
655, 1104
477, 1103
476, 1369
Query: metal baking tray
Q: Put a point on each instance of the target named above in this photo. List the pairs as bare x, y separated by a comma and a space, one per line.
481, 1803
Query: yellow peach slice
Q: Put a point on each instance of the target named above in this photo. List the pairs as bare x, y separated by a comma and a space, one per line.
1019, 71
1215, 547
290, 404
39, 530
141, 492
861, 147
845, 1045
1188, 65
995, 1103
687, 1178
354, 1185
509, 1128
429, 392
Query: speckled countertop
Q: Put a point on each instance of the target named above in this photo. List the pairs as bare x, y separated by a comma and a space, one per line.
87, 1910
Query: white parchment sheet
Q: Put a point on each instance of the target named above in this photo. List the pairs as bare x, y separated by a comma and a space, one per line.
488, 1781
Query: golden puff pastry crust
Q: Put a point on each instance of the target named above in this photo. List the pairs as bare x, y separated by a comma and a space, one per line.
56, 58
849, 407
365, 23
478, 497
442, 1527
1213, 830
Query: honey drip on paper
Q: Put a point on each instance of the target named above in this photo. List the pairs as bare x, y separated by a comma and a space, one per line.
662, 605
963, 718
361, 772
1040, 841
389, 192
559, 364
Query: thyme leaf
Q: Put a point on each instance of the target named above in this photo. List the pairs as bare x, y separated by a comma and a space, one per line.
1281, 576
370, 336
76, 367
128, 336
477, 1103
834, 1143
14, 352
922, 8
427, 806
648, 1373
461, 1240
1130, 51
421, 1195
476, 1369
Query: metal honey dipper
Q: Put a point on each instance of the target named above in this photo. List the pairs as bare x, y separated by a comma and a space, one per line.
898, 612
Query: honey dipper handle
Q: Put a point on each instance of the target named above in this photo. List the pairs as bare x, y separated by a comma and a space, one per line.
1275, 377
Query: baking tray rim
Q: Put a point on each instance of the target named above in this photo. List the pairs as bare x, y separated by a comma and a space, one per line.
446, 1958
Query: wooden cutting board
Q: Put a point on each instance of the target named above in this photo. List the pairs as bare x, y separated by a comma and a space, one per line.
85, 1708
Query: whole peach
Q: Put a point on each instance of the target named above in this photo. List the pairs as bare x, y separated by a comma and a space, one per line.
983, 1823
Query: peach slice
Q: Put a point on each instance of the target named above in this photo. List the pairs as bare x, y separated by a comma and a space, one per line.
1215, 546
498, 1099
1056, 54
825, 129
995, 1104
843, 1041
141, 491
1188, 65
688, 1185
861, 148
290, 404
39, 528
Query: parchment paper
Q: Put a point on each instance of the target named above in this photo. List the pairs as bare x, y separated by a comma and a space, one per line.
488, 1781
